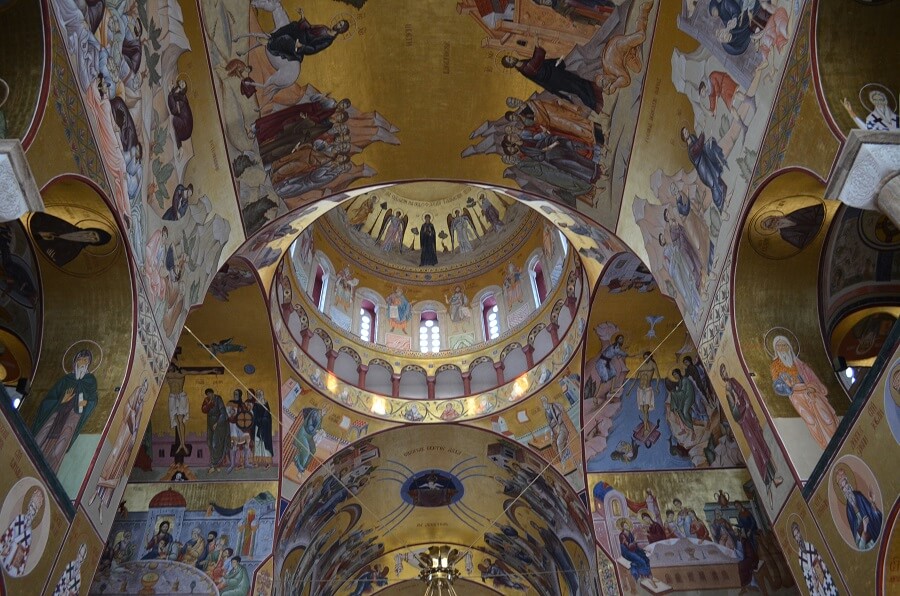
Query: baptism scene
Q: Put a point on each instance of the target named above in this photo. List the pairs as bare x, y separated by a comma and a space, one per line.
524, 297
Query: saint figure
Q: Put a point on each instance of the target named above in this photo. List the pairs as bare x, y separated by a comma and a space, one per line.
61, 241
863, 515
815, 573
15, 544
551, 74
65, 409
794, 379
428, 258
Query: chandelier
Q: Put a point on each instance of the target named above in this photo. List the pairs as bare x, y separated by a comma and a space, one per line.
437, 570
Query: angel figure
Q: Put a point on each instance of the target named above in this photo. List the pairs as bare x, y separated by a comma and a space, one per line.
393, 229
462, 230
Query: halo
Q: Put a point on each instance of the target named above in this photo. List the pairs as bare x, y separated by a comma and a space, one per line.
97, 353
5, 87
183, 76
641, 513
893, 385
29, 494
774, 331
757, 222
864, 95
795, 519
100, 250
351, 22
851, 476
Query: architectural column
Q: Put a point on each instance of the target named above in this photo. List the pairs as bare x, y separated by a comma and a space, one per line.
865, 173
498, 368
395, 385
467, 383
430, 380
332, 356
553, 328
888, 200
528, 350
305, 336
362, 369
18, 191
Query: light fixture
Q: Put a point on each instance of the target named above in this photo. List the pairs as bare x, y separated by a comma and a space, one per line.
437, 570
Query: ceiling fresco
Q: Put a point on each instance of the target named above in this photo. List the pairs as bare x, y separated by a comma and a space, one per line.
412, 485
611, 211
386, 231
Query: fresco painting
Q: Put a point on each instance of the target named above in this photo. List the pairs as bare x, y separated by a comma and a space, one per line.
649, 401
178, 538
333, 514
805, 549
288, 142
200, 124
677, 213
764, 457
853, 499
133, 78
30, 518
668, 533
217, 416
77, 559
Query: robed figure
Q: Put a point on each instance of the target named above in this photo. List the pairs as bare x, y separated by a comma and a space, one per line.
632, 552
15, 543
117, 461
551, 74
299, 39
216, 428
65, 409
262, 419
863, 516
428, 258
741, 410
61, 241
709, 161
180, 110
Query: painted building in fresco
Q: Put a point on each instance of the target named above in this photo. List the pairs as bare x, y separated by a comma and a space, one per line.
602, 294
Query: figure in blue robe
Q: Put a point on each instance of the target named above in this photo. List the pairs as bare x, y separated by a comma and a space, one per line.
863, 516
709, 161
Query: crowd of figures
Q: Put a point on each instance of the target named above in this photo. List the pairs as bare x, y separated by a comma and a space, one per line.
288, 143
647, 532
555, 142
138, 102
681, 401
225, 544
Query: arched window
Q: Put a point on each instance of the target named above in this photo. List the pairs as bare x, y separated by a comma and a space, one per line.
367, 320
429, 332
565, 242
490, 315
538, 285
320, 287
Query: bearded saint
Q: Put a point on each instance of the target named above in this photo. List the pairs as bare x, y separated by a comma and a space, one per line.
65, 409
794, 379
15, 544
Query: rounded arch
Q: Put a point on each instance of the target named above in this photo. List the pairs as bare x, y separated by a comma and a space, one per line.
379, 308
448, 382
780, 240
81, 254
478, 301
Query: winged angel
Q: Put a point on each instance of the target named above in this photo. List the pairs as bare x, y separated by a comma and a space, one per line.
462, 230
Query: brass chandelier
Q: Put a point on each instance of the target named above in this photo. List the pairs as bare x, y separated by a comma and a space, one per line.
437, 570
